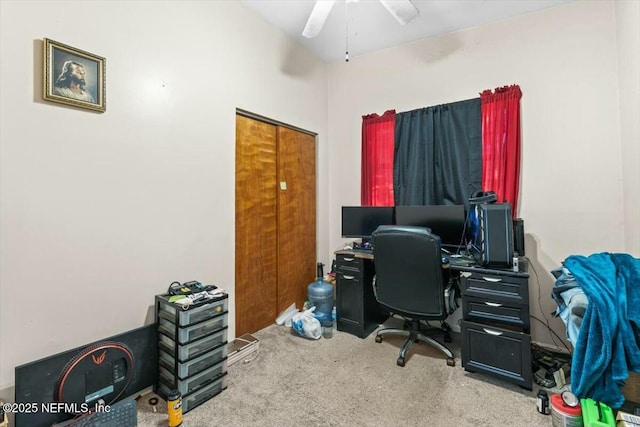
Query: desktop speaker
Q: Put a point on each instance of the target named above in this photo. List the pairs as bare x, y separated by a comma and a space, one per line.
518, 236
492, 234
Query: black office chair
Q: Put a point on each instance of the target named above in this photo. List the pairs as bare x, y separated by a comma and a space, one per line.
409, 283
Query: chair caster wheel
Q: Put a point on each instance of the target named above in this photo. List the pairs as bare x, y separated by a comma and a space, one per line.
378, 338
451, 361
400, 361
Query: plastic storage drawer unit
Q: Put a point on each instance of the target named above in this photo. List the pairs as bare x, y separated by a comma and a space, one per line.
192, 348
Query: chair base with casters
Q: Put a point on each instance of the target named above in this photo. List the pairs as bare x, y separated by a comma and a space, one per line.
410, 282
414, 334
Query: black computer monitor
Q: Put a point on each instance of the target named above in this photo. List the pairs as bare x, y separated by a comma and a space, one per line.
55, 388
446, 221
361, 221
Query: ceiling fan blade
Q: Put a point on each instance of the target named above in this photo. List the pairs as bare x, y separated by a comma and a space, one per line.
316, 20
403, 10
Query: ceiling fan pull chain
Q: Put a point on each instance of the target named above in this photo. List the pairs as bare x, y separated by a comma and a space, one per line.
346, 29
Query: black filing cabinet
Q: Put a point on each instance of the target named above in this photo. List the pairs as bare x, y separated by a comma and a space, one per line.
495, 328
192, 349
357, 309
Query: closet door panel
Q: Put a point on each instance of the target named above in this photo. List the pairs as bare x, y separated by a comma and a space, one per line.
296, 190
256, 225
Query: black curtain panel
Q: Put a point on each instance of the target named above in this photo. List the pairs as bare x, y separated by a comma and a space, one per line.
438, 154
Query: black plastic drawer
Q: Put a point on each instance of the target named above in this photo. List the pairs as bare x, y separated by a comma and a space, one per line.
497, 351
195, 348
197, 313
190, 333
485, 310
194, 366
168, 381
348, 262
205, 393
512, 290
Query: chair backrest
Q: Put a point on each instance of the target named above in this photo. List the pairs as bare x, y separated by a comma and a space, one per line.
409, 276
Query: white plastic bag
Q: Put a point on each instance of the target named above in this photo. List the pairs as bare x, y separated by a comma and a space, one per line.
306, 325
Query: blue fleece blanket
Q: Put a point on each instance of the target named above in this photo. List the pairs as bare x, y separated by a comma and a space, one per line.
607, 345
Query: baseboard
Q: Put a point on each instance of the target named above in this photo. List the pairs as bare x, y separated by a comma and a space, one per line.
242, 348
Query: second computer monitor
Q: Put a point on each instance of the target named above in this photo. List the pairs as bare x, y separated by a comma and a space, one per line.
447, 221
362, 221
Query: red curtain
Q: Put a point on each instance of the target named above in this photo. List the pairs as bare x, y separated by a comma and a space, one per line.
377, 159
501, 143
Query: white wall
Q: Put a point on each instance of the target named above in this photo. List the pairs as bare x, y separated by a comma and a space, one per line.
100, 212
628, 33
565, 61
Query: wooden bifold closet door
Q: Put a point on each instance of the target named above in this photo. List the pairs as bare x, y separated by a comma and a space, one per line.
275, 220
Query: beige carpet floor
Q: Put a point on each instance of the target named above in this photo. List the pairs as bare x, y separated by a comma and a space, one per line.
348, 381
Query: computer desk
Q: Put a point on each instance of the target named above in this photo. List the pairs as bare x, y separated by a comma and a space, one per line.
495, 324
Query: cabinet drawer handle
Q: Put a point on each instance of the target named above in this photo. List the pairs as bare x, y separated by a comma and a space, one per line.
492, 279
348, 259
348, 277
493, 304
490, 332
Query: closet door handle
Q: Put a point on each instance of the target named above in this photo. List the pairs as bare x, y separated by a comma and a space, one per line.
490, 332
493, 304
348, 277
492, 279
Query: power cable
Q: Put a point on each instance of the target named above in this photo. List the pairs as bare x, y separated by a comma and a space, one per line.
553, 332
546, 320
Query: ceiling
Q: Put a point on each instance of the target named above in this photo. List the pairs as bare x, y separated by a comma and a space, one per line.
371, 27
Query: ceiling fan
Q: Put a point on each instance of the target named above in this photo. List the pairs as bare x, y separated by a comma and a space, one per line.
402, 10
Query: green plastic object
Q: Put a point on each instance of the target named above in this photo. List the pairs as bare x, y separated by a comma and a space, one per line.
596, 414
174, 298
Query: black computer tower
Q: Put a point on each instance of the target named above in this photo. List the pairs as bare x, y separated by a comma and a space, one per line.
492, 234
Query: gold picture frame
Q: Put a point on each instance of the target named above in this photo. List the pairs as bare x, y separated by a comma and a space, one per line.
73, 77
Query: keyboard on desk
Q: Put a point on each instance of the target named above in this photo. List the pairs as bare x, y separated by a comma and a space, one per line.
461, 261
120, 414
362, 250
